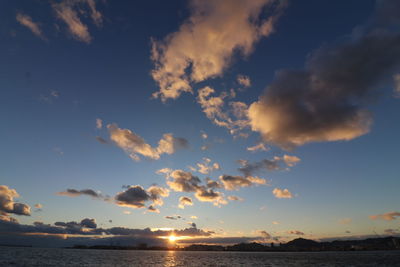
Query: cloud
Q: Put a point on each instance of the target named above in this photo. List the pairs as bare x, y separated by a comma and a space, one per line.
89, 223
38, 207
205, 167
157, 193
265, 235
99, 123
69, 11
213, 184
49, 97
290, 160
233, 118
8, 205
185, 201
182, 181
206, 42
165, 171
244, 80
258, 147
388, 216
151, 208
135, 145
76, 193
101, 140
175, 217
88, 227
27, 21
295, 232
204, 135
249, 169
282, 193
396, 79
235, 182
274, 164
326, 101
209, 195
235, 198
136, 196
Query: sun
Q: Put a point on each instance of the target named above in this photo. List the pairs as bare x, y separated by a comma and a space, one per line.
172, 238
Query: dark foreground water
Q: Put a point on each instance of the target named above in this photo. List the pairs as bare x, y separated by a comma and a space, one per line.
75, 257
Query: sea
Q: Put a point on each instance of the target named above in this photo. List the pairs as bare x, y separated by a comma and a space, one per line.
19, 256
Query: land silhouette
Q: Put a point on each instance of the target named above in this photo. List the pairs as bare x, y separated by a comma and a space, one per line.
296, 245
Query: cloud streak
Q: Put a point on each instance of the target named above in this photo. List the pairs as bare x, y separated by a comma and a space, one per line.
388, 216
27, 21
69, 11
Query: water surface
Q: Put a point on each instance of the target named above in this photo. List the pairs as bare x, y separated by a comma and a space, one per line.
78, 257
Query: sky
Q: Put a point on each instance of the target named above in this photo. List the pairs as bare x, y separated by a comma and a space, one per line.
215, 122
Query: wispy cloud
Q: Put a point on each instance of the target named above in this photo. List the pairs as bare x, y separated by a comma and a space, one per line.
84, 192
27, 21
135, 145
388, 216
206, 167
258, 147
69, 11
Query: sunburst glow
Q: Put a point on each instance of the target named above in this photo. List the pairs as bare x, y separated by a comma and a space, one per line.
172, 238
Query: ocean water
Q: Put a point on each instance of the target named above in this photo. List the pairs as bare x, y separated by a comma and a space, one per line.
75, 257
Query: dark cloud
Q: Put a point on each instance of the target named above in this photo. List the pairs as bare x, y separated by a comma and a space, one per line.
175, 217
327, 100
388, 216
248, 169
89, 223
219, 240
295, 232
204, 194
213, 184
75, 193
136, 197
101, 140
231, 182
85, 223
85, 233
7, 204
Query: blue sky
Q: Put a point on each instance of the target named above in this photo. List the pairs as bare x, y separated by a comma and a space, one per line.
55, 83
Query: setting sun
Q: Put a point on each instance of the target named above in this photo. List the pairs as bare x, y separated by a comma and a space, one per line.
172, 238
